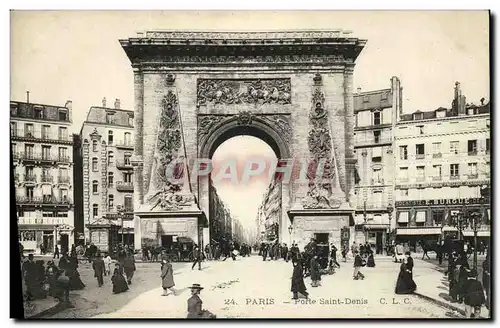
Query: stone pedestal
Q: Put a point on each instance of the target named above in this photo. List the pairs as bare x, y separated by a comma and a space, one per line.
309, 222
180, 223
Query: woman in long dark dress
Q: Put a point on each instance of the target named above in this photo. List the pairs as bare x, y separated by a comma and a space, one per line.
298, 285
75, 283
118, 280
370, 262
405, 283
315, 272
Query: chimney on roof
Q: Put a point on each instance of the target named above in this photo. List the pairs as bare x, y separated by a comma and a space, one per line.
482, 101
28, 97
69, 104
117, 103
359, 90
104, 102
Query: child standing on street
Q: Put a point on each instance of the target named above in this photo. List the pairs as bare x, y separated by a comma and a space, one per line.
107, 264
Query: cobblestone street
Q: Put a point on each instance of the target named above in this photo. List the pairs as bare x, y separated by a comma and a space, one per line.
251, 288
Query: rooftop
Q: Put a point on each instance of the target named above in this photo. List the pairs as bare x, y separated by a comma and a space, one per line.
19, 109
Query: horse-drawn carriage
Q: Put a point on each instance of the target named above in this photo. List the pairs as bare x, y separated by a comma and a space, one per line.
182, 250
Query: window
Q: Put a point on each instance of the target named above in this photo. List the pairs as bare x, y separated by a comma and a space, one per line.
488, 146
63, 115
13, 129
437, 218
403, 152
418, 116
130, 121
94, 164
63, 154
420, 173
376, 136
110, 158
30, 192
95, 210
376, 118
437, 172
127, 201
63, 172
13, 109
46, 152
127, 138
420, 218
127, 177
109, 118
95, 187
454, 172
110, 138
64, 194
111, 201
472, 147
436, 149
454, 147
46, 132
403, 174
29, 151
63, 133
420, 151
420, 129
14, 148
377, 176
472, 170
366, 99
440, 113
28, 130
377, 199
126, 158
38, 113
110, 179
94, 145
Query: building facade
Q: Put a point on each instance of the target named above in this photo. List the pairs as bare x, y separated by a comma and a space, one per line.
442, 165
376, 113
221, 226
269, 212
43, 175
107, 137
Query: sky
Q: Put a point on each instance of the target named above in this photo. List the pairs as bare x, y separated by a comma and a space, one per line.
58, 55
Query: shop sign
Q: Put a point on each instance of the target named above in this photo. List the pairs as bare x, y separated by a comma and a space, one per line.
434, 202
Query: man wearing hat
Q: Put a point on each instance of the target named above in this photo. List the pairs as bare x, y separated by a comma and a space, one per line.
195, 310
99, 268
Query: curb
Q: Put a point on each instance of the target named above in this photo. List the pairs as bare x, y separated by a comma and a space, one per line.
443, 304
50, 311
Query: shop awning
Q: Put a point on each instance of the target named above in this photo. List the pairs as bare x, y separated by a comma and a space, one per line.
483, 233
403, 217
418, 231
448, 228
421, 216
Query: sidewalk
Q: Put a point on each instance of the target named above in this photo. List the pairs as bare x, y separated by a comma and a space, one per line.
36, 308
433, 285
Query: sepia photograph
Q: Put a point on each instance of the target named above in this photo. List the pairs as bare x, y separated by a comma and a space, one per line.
250, 164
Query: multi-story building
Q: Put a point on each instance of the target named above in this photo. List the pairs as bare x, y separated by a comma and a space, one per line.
375, 112
442, 164
221, 223
269, 211
43, 175
106, 151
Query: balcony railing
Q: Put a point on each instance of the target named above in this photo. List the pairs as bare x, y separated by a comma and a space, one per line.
63, 179
47, 178
47, 200
473, 176
377, 181
42, 220
32, 156
438, 178
124, 186
37, 134
126, 164
472, 153
438, 155
420, 156
124, 144
29, 177
420, 179
454, 177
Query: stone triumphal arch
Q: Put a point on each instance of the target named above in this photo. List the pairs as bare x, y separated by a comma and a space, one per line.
194, 90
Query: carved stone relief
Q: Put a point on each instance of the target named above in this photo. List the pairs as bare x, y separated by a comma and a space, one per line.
163, 194
320, 192
278, 122
266, 91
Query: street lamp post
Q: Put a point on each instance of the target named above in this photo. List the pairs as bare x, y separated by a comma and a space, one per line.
459, 221
120, 215
390, 208
290, 229
475, 224
55, 237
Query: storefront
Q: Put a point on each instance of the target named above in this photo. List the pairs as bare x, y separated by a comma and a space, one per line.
374, 230
427, 215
